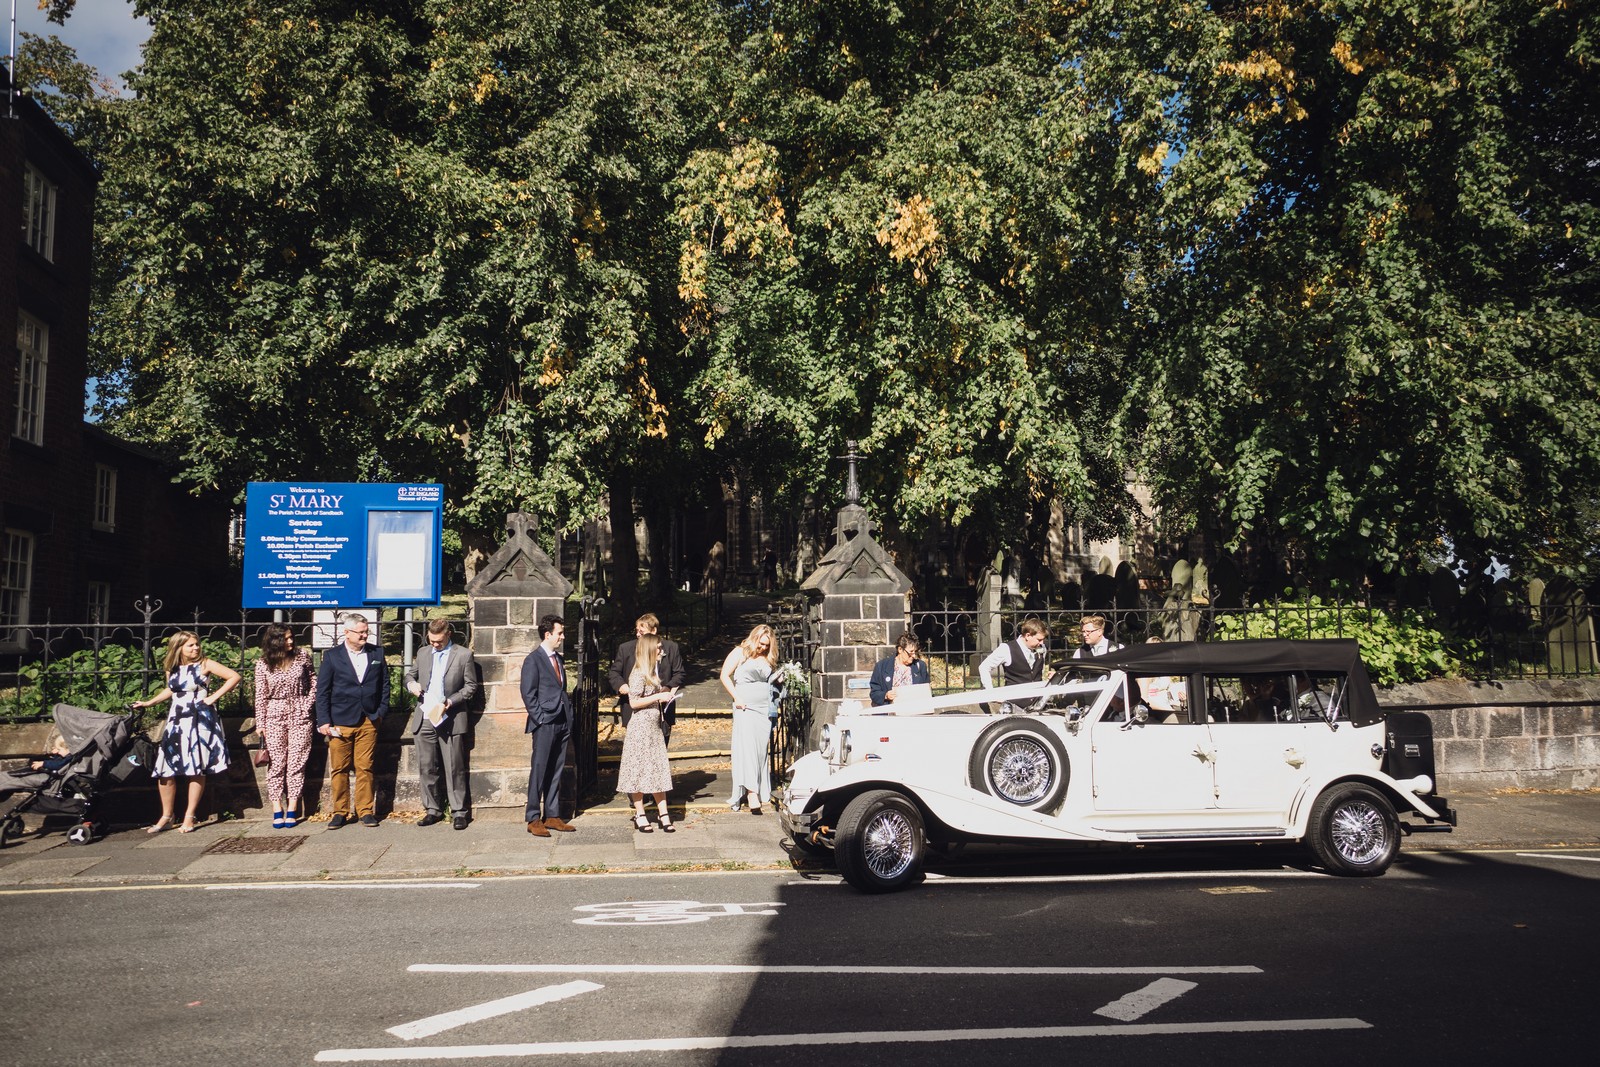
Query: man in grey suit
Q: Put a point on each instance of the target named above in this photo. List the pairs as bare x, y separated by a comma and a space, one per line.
444, 679
544, 694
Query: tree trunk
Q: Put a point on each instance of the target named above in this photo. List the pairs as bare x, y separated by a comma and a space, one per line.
658, 523
624, 549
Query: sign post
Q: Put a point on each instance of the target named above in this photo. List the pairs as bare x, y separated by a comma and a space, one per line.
342, 544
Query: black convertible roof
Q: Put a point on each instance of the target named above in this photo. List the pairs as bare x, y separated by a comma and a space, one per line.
1255, 657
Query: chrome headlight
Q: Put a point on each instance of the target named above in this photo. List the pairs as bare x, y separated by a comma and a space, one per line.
844, 747
825, 745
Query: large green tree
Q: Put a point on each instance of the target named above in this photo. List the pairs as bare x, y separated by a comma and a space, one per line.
1392, 351
407, 240
1320, 274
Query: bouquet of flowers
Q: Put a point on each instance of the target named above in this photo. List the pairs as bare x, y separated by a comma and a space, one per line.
789, 678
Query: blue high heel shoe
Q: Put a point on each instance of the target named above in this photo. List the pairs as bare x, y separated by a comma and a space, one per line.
277, 820
291, 819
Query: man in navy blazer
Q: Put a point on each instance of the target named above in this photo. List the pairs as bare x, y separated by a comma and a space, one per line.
544, 694
352, 697
905, 667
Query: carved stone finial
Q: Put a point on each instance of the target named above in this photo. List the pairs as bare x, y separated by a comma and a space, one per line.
519, 567
852, 485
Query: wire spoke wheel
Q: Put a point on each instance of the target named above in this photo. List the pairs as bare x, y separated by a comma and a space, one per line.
1358, 832
888, 849
1354, 831
1021, 770
878, 844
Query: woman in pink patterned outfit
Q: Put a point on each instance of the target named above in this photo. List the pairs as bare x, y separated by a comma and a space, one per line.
286, 690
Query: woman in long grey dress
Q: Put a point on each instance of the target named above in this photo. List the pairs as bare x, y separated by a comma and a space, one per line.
192, 743
645, 768
747, 676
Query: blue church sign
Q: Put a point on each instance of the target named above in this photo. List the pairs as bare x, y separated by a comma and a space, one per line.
342, 544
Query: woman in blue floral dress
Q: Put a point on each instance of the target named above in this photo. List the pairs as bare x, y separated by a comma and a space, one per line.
192, 742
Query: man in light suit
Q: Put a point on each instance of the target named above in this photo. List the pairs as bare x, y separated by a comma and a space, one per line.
669, 668
352, 698
443, 677
544, 694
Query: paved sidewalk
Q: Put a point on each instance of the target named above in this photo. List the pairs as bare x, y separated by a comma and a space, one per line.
709, 838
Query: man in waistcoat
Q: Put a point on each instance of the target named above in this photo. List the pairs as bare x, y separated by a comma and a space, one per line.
1020, 659
1095, 641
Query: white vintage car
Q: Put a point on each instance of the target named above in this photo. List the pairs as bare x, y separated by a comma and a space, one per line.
1249, 741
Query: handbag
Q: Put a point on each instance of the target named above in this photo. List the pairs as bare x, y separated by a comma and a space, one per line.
262, 757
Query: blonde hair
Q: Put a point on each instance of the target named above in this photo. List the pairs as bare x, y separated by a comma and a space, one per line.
175, 645
644, 657
750, 643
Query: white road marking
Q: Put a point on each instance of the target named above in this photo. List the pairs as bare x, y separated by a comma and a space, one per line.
756, 968
449, 1020
345, 885
884, 1037
1144, 1001
935, 879
666, 912
1559, 856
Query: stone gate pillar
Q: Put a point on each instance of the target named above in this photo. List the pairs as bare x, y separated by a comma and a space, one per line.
513, 589
858, 603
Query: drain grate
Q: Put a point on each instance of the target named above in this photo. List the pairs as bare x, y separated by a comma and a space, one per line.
236, 846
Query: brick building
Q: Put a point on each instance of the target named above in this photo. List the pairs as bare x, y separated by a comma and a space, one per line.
88, 523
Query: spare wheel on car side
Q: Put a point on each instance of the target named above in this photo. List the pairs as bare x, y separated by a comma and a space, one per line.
1020, 761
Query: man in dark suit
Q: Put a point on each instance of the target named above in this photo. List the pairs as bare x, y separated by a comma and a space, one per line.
444, 679
669, 668
544, 694
352, 698
905, 667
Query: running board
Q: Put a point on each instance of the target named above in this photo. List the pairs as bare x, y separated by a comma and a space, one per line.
1212, 835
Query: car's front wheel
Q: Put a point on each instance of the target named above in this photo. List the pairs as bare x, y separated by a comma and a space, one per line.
1354, 831
878, 844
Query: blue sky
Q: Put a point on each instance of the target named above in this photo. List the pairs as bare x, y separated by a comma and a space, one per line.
104, 32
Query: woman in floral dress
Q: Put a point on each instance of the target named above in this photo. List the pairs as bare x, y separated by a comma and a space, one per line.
645, 768
286, 690
192, 743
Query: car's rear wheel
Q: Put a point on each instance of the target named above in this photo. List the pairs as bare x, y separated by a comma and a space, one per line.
878, 844
1020, 761
1354, 831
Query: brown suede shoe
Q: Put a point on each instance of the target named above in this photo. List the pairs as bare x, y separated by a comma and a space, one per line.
558, 823
536, 828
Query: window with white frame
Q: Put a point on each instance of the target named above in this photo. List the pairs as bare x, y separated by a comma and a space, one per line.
38, 212
99, 601
33, 351
105, 497
16, 580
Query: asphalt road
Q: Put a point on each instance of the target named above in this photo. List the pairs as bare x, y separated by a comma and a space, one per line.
1467, 957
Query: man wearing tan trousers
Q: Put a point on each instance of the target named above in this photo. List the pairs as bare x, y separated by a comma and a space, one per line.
352, 698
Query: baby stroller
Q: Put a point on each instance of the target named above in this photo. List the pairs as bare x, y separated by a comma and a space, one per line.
103, 751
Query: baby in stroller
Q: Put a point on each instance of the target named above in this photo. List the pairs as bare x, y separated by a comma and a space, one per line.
93, 752
60, 755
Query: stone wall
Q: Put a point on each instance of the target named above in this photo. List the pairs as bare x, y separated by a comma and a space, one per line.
1538, 734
